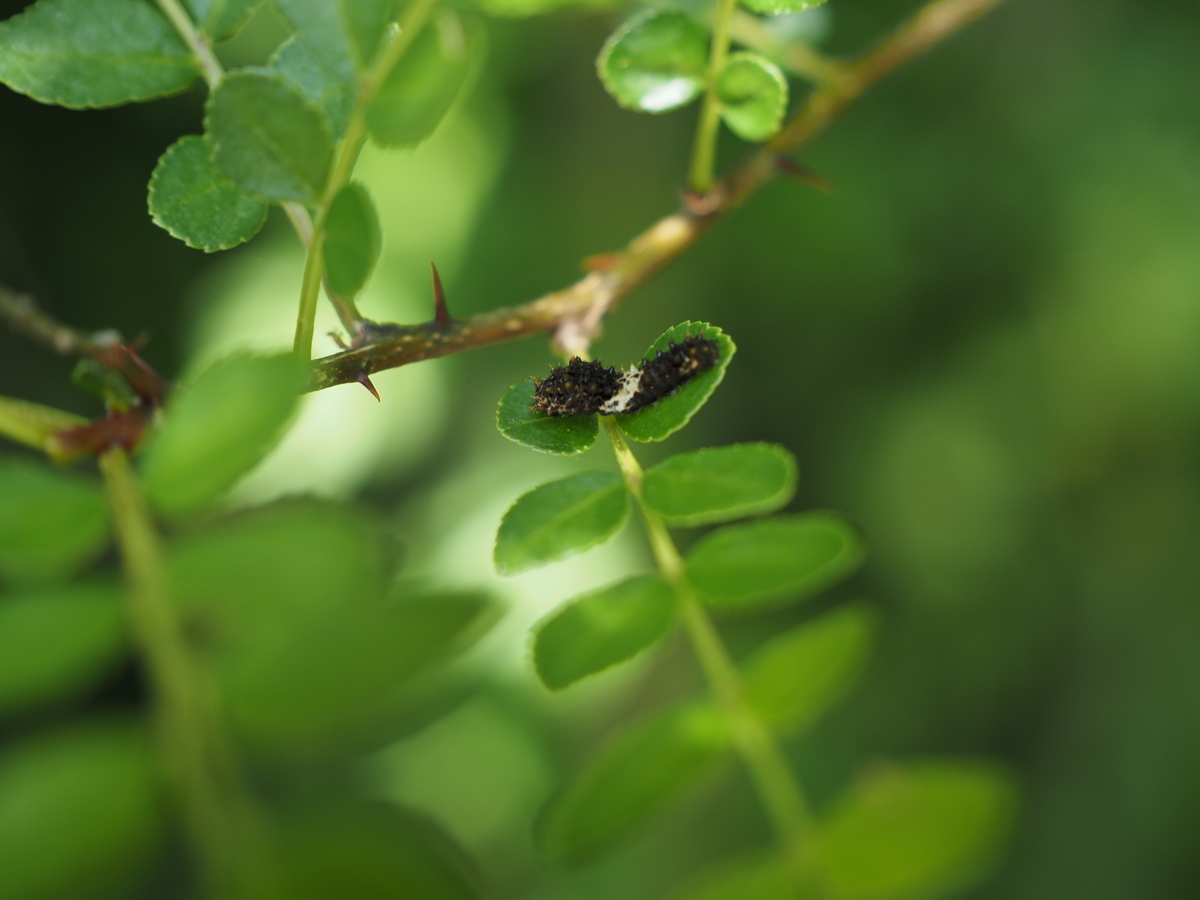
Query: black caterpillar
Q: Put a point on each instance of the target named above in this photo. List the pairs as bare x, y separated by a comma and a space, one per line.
586, 388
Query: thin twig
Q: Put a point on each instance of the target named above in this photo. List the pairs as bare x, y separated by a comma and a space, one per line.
668, 238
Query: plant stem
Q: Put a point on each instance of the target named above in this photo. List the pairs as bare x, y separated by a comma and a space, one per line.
340, 171
198, 769
700, 177
777, 787
201, 49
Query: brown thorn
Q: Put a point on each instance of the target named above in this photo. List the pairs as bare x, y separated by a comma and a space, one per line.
337, 339
441, 314
803, 174
365, 381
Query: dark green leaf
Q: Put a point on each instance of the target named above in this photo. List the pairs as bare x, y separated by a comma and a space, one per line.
754, 564
104, 382
87, 54
423, 86
194, 202
79, 812
267, 138
632, 778
219, 19
51, 522
795, 677
564, 435
324, 90
664, 418
343, 35
54, 644
753, 96
655, 62
602, 628
560, 519
761, 876
720, 484
219, 428
916, 831
352, 240
779, 7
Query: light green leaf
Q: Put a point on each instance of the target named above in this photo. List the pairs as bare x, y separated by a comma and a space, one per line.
267, 138
295, 63
344, 35
602, 628
87, 54
562, 435
916, 831
79, 812
219, 19
786, 558
635, 776
218, 429
721, 483
521, 9
655, 62
194, 202
55, 644
759, 876
352, 240
36, 426
753, 95
442, 60
793, 678
560, 519
51, 522
779, 7
664, 418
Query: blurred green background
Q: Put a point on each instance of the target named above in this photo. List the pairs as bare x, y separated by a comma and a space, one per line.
984, 348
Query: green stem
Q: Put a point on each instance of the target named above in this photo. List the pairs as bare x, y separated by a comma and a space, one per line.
777, 787
201, 49
704, 150
340, 171
198, 769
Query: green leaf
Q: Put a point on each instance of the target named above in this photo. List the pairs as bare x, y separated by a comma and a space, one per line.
194, 202
793, 678
655, 62
54, 644
664, 418
295, 63
753, 95
721, 484
916, 831
636, 775
219, 428
51, 522
780, 7
520, 9
36, 426
443, 58
267, 138
352, 240
219, 19
562, 435
560, 519
748, 566
87, 54
79, 812
602, 628
343, 35
104, 382
760, 876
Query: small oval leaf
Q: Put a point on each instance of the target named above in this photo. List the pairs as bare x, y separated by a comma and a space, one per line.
633, 777
297, 65
753, 95
267, 138
655, 62
780, 7
786, 558
664, 418
344, 35
89, 54
219, 19
916, 831
560, 519
352, 240
194, 202
561, 435
720, 484
602, 628
219, 428
793, 678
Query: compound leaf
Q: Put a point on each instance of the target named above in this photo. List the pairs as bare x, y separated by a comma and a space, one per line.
561, 435
655, 62
753, 94
720, 484
352, 240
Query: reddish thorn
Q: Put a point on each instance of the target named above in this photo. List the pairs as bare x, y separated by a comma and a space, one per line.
803, 174
365, 381
599, 262
441, 314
